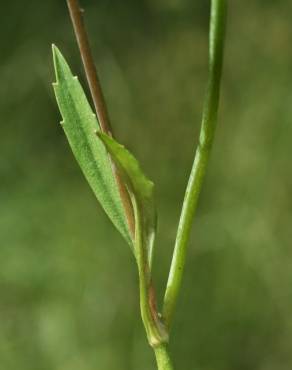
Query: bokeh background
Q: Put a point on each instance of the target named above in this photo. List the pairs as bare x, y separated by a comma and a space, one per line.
68, 284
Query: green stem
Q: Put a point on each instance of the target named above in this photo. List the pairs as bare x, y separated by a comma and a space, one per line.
209, 119
162, 358
155, 329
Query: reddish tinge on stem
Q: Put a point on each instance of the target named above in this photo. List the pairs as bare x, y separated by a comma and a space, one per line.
98, 99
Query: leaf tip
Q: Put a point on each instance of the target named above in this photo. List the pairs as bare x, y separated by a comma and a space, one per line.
60, 64
56, 57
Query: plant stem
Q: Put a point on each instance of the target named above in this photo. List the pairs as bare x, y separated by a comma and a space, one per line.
154, 329
98, 98
89, 67
209, 120
162, 358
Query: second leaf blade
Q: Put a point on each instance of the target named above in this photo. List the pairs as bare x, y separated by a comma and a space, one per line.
139, 186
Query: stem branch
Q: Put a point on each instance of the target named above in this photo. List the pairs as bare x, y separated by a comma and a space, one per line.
98, 98
209, 120
89, 66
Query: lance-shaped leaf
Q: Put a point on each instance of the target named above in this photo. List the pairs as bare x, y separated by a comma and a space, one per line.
80, 125
140, 189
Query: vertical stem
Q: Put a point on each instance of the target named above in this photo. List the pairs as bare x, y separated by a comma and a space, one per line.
89, 67
162, 358
98, 98
209, 120
150, 318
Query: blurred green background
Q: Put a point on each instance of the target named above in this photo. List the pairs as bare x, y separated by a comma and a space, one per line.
68, 284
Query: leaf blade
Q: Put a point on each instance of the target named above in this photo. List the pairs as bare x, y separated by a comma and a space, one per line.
80, 125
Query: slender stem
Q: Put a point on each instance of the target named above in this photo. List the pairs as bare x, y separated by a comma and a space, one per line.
89, 67
162, 358
97, 97
209, 120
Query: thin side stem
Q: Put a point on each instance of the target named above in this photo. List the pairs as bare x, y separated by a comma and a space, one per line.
209, 120
162, 358
89, 66
98, 98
